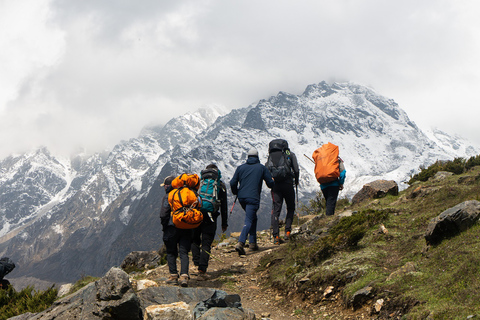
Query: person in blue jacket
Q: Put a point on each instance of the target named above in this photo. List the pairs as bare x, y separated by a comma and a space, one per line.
330, 190
246, 184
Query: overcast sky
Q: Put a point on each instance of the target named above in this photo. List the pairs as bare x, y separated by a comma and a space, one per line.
90, 73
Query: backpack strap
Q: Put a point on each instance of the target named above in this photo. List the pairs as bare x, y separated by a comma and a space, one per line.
179, 198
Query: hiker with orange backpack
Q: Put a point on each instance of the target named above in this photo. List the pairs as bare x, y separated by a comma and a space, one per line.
214, 203
179, 216
330, 173
283, 165
247, 185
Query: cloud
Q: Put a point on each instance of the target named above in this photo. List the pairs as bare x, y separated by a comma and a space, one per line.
90, 73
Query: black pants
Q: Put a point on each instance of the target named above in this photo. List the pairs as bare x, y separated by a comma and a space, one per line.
330, 194
178, 242
282, 191
202, 244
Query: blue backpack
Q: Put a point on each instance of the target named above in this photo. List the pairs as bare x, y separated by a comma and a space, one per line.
208, 190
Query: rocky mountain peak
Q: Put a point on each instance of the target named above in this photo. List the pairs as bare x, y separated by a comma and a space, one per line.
103, 206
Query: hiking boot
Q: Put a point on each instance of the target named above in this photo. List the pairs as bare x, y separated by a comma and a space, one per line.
193, 270
277, 240
183, 281
172, 279
253, 247
202, 276
287, 236
239, 248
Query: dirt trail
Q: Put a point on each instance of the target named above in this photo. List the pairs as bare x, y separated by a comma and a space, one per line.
236, 274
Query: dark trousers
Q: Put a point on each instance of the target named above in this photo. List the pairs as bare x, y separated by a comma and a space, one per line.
178, 243
282, 191
202, 244
250, 227
330, 194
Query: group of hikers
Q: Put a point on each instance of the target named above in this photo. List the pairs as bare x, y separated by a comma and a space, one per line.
192, 204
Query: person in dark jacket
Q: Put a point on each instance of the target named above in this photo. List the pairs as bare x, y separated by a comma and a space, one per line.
284, 187
177, 241
204, 235
247, 185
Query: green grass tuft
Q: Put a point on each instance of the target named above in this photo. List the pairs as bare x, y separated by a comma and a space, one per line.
13, 303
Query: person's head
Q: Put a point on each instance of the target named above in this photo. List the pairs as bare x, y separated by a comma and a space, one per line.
212, 166
168, 181
252, 152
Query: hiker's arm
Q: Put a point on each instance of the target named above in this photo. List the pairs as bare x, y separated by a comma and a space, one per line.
267, 177
296, 168
165, 212
343, 175
234, 183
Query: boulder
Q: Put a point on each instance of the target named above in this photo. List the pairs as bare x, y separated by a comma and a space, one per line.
143, 284
64, 289
376, 189
441, 175
452, 221
360, 297
139, 260
407, 268
171, 294
111, 297
222, 306
173, 311
227, 314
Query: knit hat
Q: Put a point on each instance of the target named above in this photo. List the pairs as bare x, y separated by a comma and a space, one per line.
168, 181
252, 152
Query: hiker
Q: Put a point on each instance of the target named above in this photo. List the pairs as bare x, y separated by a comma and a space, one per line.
214, 202
330, 190
6, 266
283, 165
250, 176
177, 241
330, 173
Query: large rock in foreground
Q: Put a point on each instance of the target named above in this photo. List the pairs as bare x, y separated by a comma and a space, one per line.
453, 221
113, 297
376, 189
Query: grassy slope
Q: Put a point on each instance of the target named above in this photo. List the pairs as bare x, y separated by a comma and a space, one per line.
445, 283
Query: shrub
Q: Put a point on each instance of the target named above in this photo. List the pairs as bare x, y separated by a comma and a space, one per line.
315, 205
13, 303
456, 166
472, 162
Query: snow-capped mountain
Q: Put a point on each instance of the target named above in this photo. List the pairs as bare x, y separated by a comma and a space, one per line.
64, 217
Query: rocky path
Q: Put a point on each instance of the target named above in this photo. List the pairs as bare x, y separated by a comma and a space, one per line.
236, 274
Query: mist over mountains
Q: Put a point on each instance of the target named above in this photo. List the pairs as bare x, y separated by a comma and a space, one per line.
63, 217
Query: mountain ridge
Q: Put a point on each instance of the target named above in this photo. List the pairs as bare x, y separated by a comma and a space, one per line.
111, 205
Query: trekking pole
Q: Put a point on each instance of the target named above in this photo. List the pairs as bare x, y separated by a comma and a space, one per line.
233, 205
212, 256
296, 206
309, 158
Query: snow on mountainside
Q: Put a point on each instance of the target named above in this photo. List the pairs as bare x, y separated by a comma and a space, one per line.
64, 218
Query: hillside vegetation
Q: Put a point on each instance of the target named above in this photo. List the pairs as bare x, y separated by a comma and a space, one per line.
13, 303
379, 246
369, 259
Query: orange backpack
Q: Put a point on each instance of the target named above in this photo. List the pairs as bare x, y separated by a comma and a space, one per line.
326, 163
184, 201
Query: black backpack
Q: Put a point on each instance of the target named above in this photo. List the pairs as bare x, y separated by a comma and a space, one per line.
6, 266
279, 162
